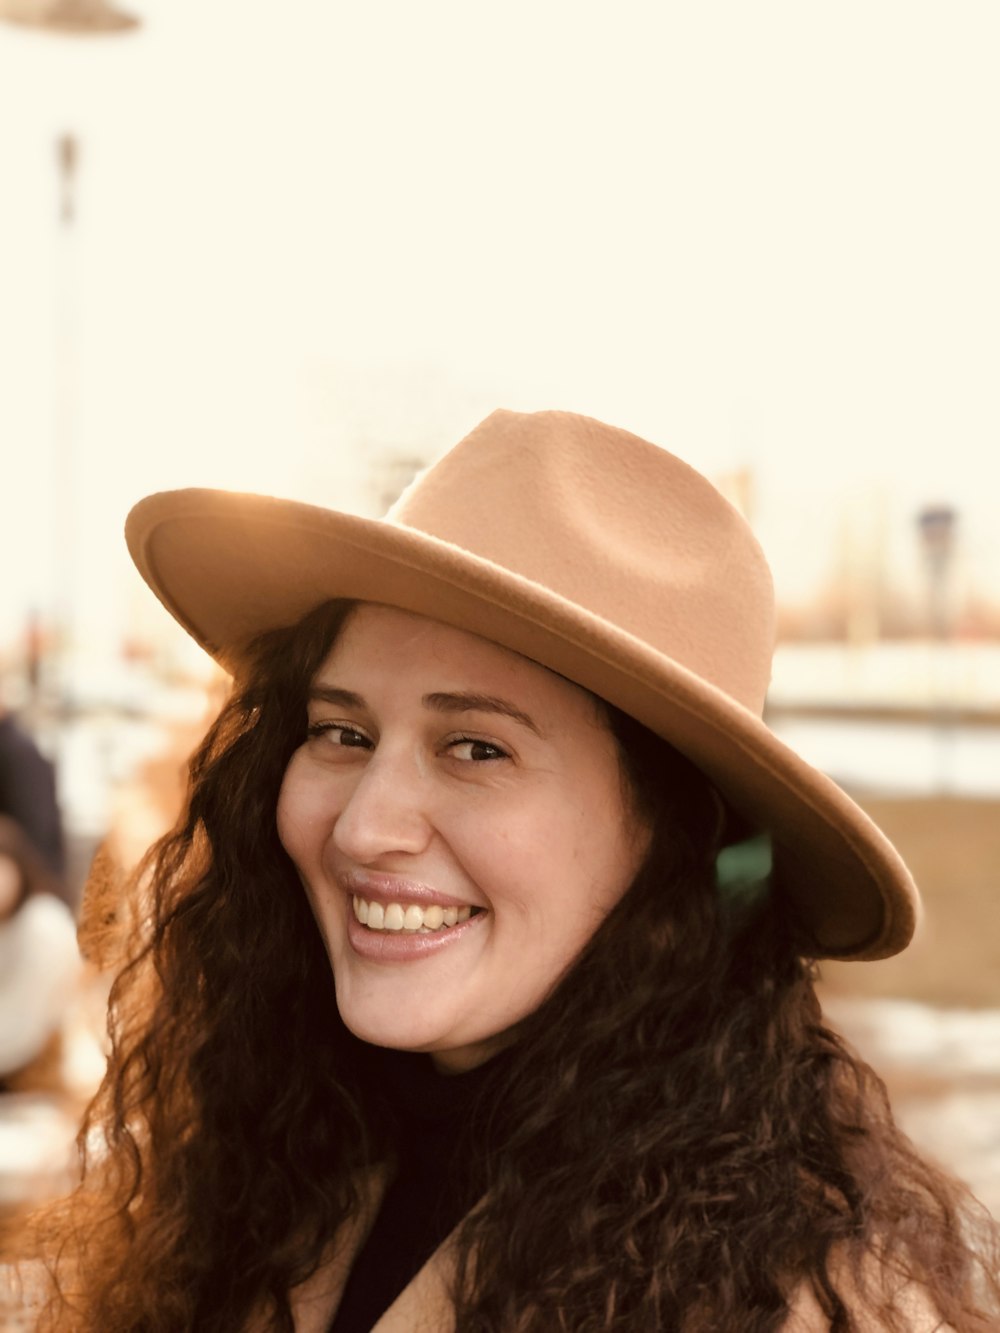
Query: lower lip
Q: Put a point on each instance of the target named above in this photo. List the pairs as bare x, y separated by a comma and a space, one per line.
400, 946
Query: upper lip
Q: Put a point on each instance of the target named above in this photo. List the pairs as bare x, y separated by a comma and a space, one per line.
374, 886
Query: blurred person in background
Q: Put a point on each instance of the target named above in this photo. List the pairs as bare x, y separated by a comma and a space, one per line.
39, 963
28, 795
474, 987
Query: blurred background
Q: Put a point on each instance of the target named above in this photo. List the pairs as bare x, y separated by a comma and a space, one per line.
303, 249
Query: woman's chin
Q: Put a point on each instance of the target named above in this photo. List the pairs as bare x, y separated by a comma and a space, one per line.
452, 1052
387, 1029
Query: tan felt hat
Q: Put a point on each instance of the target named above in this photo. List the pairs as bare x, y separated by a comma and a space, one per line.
595, 553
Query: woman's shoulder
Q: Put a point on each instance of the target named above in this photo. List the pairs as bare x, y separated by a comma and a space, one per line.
21, 1287
911, 1307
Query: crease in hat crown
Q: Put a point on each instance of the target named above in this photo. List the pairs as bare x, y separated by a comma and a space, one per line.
613, 524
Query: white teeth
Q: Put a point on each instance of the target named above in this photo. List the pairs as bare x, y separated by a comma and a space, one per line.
376, 916
411, 918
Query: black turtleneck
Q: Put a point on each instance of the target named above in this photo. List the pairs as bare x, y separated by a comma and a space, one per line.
435, 1184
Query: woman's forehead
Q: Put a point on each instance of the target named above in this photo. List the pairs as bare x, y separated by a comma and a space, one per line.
372, 627
376, 636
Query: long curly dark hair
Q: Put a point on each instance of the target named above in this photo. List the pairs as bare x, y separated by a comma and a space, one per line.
679, 1142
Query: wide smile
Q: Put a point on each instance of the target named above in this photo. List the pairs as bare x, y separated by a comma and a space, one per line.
409, 917
394, 932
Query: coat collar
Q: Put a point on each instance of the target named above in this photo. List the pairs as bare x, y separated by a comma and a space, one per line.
423, 1306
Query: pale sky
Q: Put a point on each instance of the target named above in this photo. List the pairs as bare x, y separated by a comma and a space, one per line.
763, 235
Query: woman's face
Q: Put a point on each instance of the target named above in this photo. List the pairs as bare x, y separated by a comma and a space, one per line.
459, 820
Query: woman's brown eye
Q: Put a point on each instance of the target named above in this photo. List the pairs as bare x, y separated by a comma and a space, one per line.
352, 738
338, 734
479, 751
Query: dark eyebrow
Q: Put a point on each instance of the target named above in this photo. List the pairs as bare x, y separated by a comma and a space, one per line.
467, 702
326, 694
461, 701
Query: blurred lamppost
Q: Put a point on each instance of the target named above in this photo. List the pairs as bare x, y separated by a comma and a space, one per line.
937, 525
63, 18
75, 18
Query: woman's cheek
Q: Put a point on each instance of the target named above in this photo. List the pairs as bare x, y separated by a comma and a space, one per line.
295, 812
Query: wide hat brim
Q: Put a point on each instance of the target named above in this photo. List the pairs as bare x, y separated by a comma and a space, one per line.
230, 566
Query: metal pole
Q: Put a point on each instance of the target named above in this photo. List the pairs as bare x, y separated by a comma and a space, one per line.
937, 524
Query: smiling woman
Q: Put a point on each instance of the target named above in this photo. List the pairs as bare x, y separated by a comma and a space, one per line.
475, 988
434, 822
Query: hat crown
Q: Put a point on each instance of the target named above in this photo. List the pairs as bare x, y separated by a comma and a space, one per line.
612, 524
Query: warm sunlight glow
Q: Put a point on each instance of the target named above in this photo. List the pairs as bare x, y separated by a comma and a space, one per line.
739, 230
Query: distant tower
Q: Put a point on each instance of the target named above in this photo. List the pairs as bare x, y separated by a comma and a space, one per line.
937, 525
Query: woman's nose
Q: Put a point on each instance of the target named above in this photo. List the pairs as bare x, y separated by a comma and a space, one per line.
384, 813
